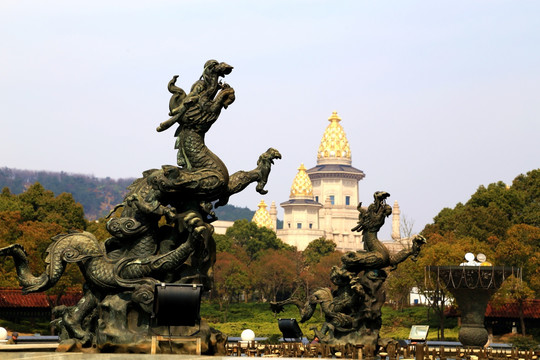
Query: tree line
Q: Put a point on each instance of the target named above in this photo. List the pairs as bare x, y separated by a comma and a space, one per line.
252, 262
97, 195
31, 219
501, 221
254, 265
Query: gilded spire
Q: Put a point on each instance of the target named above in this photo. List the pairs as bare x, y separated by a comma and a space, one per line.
301, 187
334, 148
262, 217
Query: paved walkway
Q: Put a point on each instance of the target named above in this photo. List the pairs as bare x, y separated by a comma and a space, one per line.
29, 354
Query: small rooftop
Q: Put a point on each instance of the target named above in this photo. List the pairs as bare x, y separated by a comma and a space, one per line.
14, 298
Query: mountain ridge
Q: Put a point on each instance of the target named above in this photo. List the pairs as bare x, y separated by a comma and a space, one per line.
97, 195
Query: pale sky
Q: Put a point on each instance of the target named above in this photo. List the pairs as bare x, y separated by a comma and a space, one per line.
436, 97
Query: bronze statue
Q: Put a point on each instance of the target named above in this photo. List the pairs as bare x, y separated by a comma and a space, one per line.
121, 272
353, 311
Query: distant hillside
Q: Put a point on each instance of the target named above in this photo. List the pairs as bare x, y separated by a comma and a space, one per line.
97, 195
232, 213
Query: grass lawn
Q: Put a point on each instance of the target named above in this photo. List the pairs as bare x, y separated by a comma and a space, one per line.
27, 327
259, 318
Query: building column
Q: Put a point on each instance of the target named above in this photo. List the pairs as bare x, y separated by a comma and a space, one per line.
273, 215
396, 222
327, 211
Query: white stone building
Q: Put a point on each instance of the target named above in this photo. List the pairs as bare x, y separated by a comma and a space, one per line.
323, 200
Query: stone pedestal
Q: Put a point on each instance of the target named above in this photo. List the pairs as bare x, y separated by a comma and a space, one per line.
120, 326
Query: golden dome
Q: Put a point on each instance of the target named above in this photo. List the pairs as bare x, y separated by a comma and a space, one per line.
262, 216
301, 186
334, 148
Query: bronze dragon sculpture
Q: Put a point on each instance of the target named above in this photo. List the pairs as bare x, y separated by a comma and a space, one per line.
353, 311
142, 251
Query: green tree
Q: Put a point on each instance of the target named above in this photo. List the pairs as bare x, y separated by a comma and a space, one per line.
478, 222
521, 248
528, 187
439, 250
231, 276
318, 248
275, 272
253, 239
504, 217
321, 270
223, 243
493, 209
514, 290
9, 227
31, 219
39, 204
399, 284
9, 201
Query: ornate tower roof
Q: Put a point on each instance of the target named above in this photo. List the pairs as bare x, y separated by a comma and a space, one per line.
301, 187
262, 216
334, 148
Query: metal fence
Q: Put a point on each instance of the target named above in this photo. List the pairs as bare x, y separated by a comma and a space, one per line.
392, 352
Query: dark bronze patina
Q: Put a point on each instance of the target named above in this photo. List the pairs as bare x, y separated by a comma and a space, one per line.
121, 273
353, 311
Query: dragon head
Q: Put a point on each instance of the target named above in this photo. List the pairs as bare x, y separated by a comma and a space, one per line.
373, 218
379, 199
269, 156
217, 68
418, 241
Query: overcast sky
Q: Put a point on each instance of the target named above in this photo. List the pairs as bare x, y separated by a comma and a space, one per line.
436, 97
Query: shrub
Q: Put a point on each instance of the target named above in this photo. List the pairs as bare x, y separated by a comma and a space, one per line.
524, 342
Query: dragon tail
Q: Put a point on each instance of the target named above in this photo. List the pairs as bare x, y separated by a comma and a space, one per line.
27, 280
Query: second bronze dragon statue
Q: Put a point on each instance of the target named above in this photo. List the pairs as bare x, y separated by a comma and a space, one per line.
353, 310
121, 272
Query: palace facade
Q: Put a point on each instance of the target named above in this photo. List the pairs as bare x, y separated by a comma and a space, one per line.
323, 199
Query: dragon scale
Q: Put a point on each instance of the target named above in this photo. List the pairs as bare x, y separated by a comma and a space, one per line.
84, 249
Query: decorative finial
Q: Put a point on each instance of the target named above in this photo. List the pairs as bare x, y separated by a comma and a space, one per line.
262, 205
301, 186
334, 117
262, 216
334, 147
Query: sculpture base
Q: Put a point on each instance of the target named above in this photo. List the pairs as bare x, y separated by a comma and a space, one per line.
366, 337
212, 342
119, 326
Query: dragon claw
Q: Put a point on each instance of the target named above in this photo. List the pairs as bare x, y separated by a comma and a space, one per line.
261, 191
195, 225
